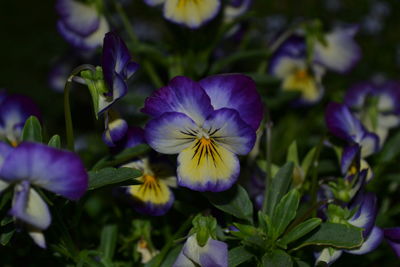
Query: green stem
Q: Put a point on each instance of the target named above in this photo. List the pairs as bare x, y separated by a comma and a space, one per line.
268, 178
314, 179
151, 72
126, 22
67, 108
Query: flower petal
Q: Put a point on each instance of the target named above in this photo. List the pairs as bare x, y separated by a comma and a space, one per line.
213, 254
154, 2
115, 131
38, 238
341, 52
373, 240
349, 155
29, 207
170, 133
207, 166
191, 13
235, 91
181, 95
226, 127
392, 234
328, 255
356, 96
183, 261
236, 8
366, 213
5, 150
369, 144
77, 17
59, 171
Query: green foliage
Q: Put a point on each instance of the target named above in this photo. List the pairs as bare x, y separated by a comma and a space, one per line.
113, 176
32, 130
55, 141
238, 255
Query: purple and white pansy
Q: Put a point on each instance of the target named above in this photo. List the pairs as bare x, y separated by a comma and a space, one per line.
213, 254
14, 111
365, 207
81, 24
208, 123
190, 13
377, 105
344, 125
32, 165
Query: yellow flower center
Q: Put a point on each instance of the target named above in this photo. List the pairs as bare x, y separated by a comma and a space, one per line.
302, 75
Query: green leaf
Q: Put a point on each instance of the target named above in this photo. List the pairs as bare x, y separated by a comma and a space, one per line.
55, 141
300, 231
391, 150
234, 201
32, 130
122, 157
108, 241
334, 235
171, 256
277, 258
285, 212
237, 256
113, 176
279, 186
307, 161
292, 154
96, 85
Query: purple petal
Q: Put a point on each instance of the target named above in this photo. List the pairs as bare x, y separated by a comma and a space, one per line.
115, 59
77, 17
227, 128
118, 90
342, 123
395, 246
130, 69
154, 2
183, 261
5, 150
170, 133
366, 213
236, 8
342, 53
29, 207
216, 256
356, 96
59, 171
181, 95
14, 111
392, 233
235, 91
350, 154
115, 131
372, 241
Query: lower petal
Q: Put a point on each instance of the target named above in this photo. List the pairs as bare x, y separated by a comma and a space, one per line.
29, 207
204, 168
372, 242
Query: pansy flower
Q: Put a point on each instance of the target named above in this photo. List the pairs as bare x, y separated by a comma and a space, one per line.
207, 123
14, 110
339, 52
376, 105
344, 125
153, 195
81, 24
365, 207
289, 63
190, 13
213, 254
30, 166
392, 236
236, 8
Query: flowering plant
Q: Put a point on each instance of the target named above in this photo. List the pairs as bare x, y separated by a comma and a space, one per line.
194, 135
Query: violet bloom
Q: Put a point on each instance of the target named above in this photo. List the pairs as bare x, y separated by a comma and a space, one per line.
344, 125
364, 217
213, 254
207, 123
153, 196
392, 236
81, 24
33, 165
289, 63
14, 111
340, 53
190, 13
376, 105
236, 8
118, 67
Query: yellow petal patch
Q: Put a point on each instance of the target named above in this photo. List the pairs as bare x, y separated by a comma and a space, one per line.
190, 12
151, 190
207, 166
302, 81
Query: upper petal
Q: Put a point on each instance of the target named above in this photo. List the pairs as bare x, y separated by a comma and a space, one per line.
366, 213
59, 171
78, 17
226, 127
235, 91
341, 52
29, 207
170, 133
180, 95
